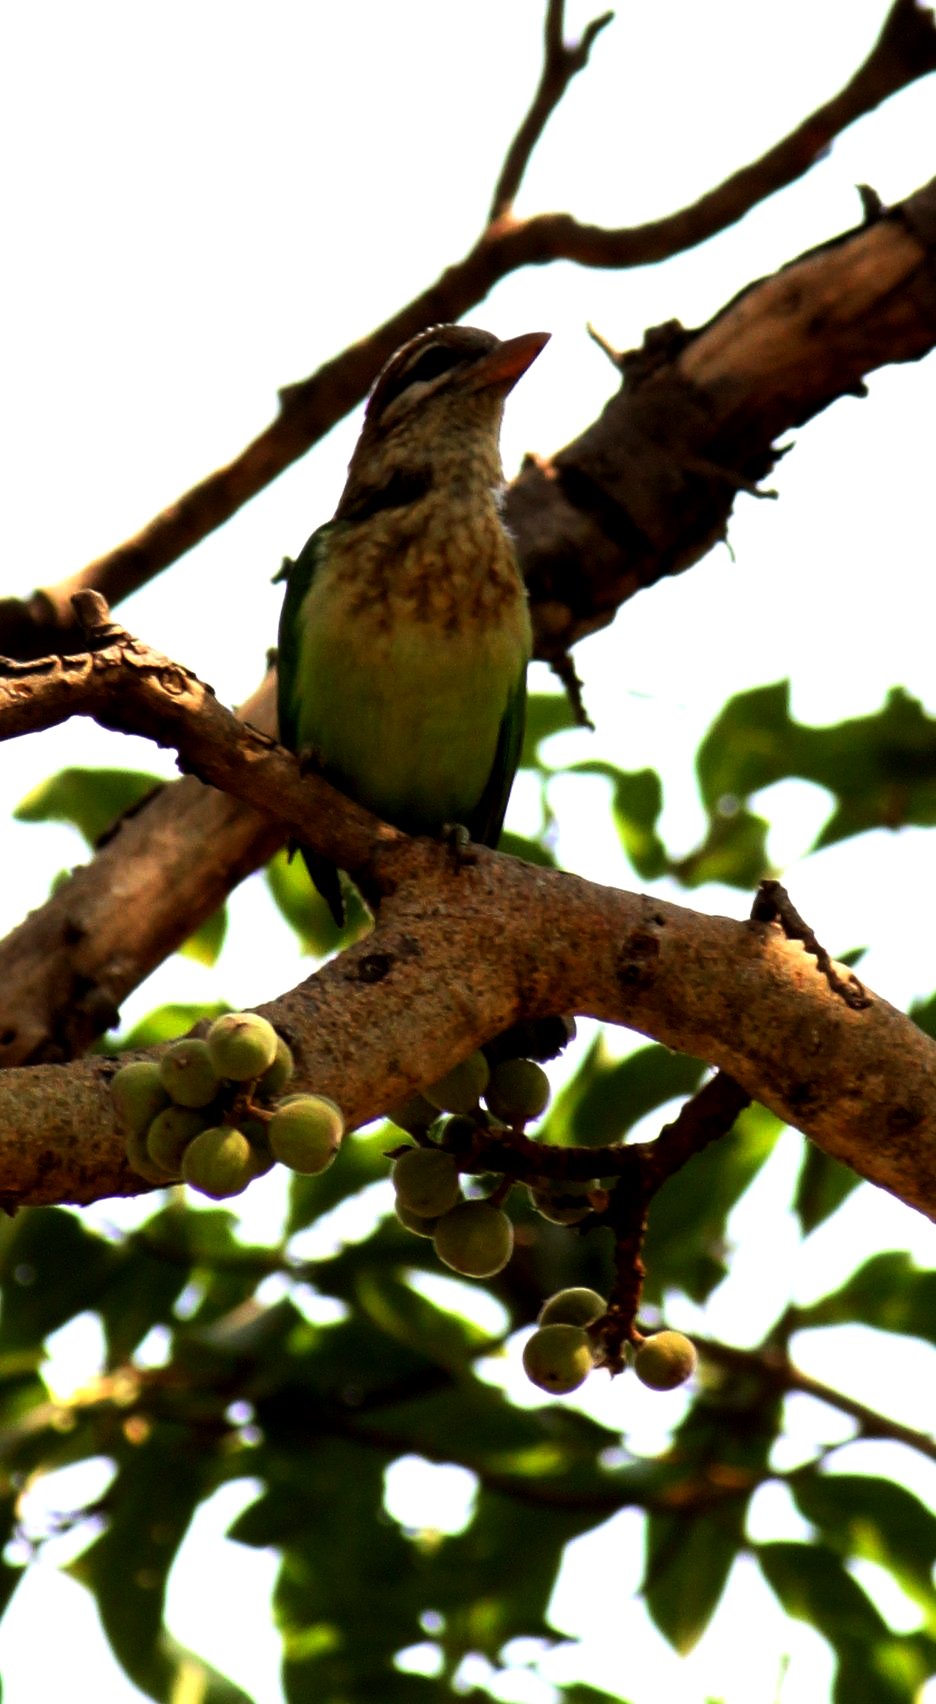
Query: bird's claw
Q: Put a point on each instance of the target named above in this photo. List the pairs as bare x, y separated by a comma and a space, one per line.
456, 837
311, 761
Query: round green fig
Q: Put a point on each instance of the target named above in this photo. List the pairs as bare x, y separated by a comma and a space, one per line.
218, 1161
426, 1181
518, 1091
462, 1087
414, 1115
558, 1358
139, 1158
665, 1360
277, 1075
138, 1094
575, 1306
474, 1238
187, 1073
415, 1222
242, 1046
170, 1134
305, 1133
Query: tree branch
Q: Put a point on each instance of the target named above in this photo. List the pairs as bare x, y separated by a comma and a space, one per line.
737, 994
904, 51
643, 493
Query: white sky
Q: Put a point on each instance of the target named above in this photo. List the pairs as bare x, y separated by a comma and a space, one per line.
203, 201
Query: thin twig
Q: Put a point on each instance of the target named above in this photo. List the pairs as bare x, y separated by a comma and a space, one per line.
560, 65
904, 51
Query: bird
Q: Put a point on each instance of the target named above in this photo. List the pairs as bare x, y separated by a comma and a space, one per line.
405, 631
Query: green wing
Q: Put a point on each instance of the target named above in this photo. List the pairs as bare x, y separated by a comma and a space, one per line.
485, 822
299, 576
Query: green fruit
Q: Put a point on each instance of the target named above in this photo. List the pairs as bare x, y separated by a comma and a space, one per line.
518, 1091
261, 1160
567, 1204
414, 1115
139, 1158
665, 1360
188, 1074
275, 1078
426, 1181
242, 1046
415, 1221
577, 1306
558, 1358
474, 1238
461, 1088
218, 1162
170, 1134
138, 1094
305, 1133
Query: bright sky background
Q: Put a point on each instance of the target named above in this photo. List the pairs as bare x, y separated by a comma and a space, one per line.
203, 201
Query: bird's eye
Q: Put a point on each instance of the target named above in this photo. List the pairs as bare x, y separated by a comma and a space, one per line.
430, 363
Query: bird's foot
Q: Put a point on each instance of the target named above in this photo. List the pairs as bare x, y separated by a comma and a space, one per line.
456, 837
311, 761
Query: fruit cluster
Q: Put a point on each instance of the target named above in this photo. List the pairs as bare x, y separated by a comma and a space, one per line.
567, 1344
211, 1112
475, 1237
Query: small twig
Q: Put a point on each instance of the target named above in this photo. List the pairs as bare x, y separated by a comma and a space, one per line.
706, 1116
615, 356
560, 65
565, 671
774, 905
904, 52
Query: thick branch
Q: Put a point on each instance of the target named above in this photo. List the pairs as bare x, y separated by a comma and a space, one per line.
862, 1084
643, 493
905, 50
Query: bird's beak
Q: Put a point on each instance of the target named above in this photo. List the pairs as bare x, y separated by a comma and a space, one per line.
507, 363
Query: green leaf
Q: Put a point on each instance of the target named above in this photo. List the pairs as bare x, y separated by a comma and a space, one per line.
685, 1246
206, 943
90, 799
607, 1097
51, 1269
923, 1013
876, 1519
881, 768
303, 907
689, 1558
888, 1292
150, 1504
812, 1584
362, 1161
164, 1023
877, 1666
636, 803
547, 713
822, 1186
530, 851
398, 1310
734, 851
140, 1294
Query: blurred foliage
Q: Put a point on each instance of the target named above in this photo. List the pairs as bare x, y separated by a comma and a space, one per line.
879, 770
247, 1386
94, 801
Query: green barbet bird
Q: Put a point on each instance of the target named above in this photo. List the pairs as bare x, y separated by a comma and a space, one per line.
405, 634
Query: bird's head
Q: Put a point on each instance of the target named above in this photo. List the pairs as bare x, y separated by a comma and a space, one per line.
435, 411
